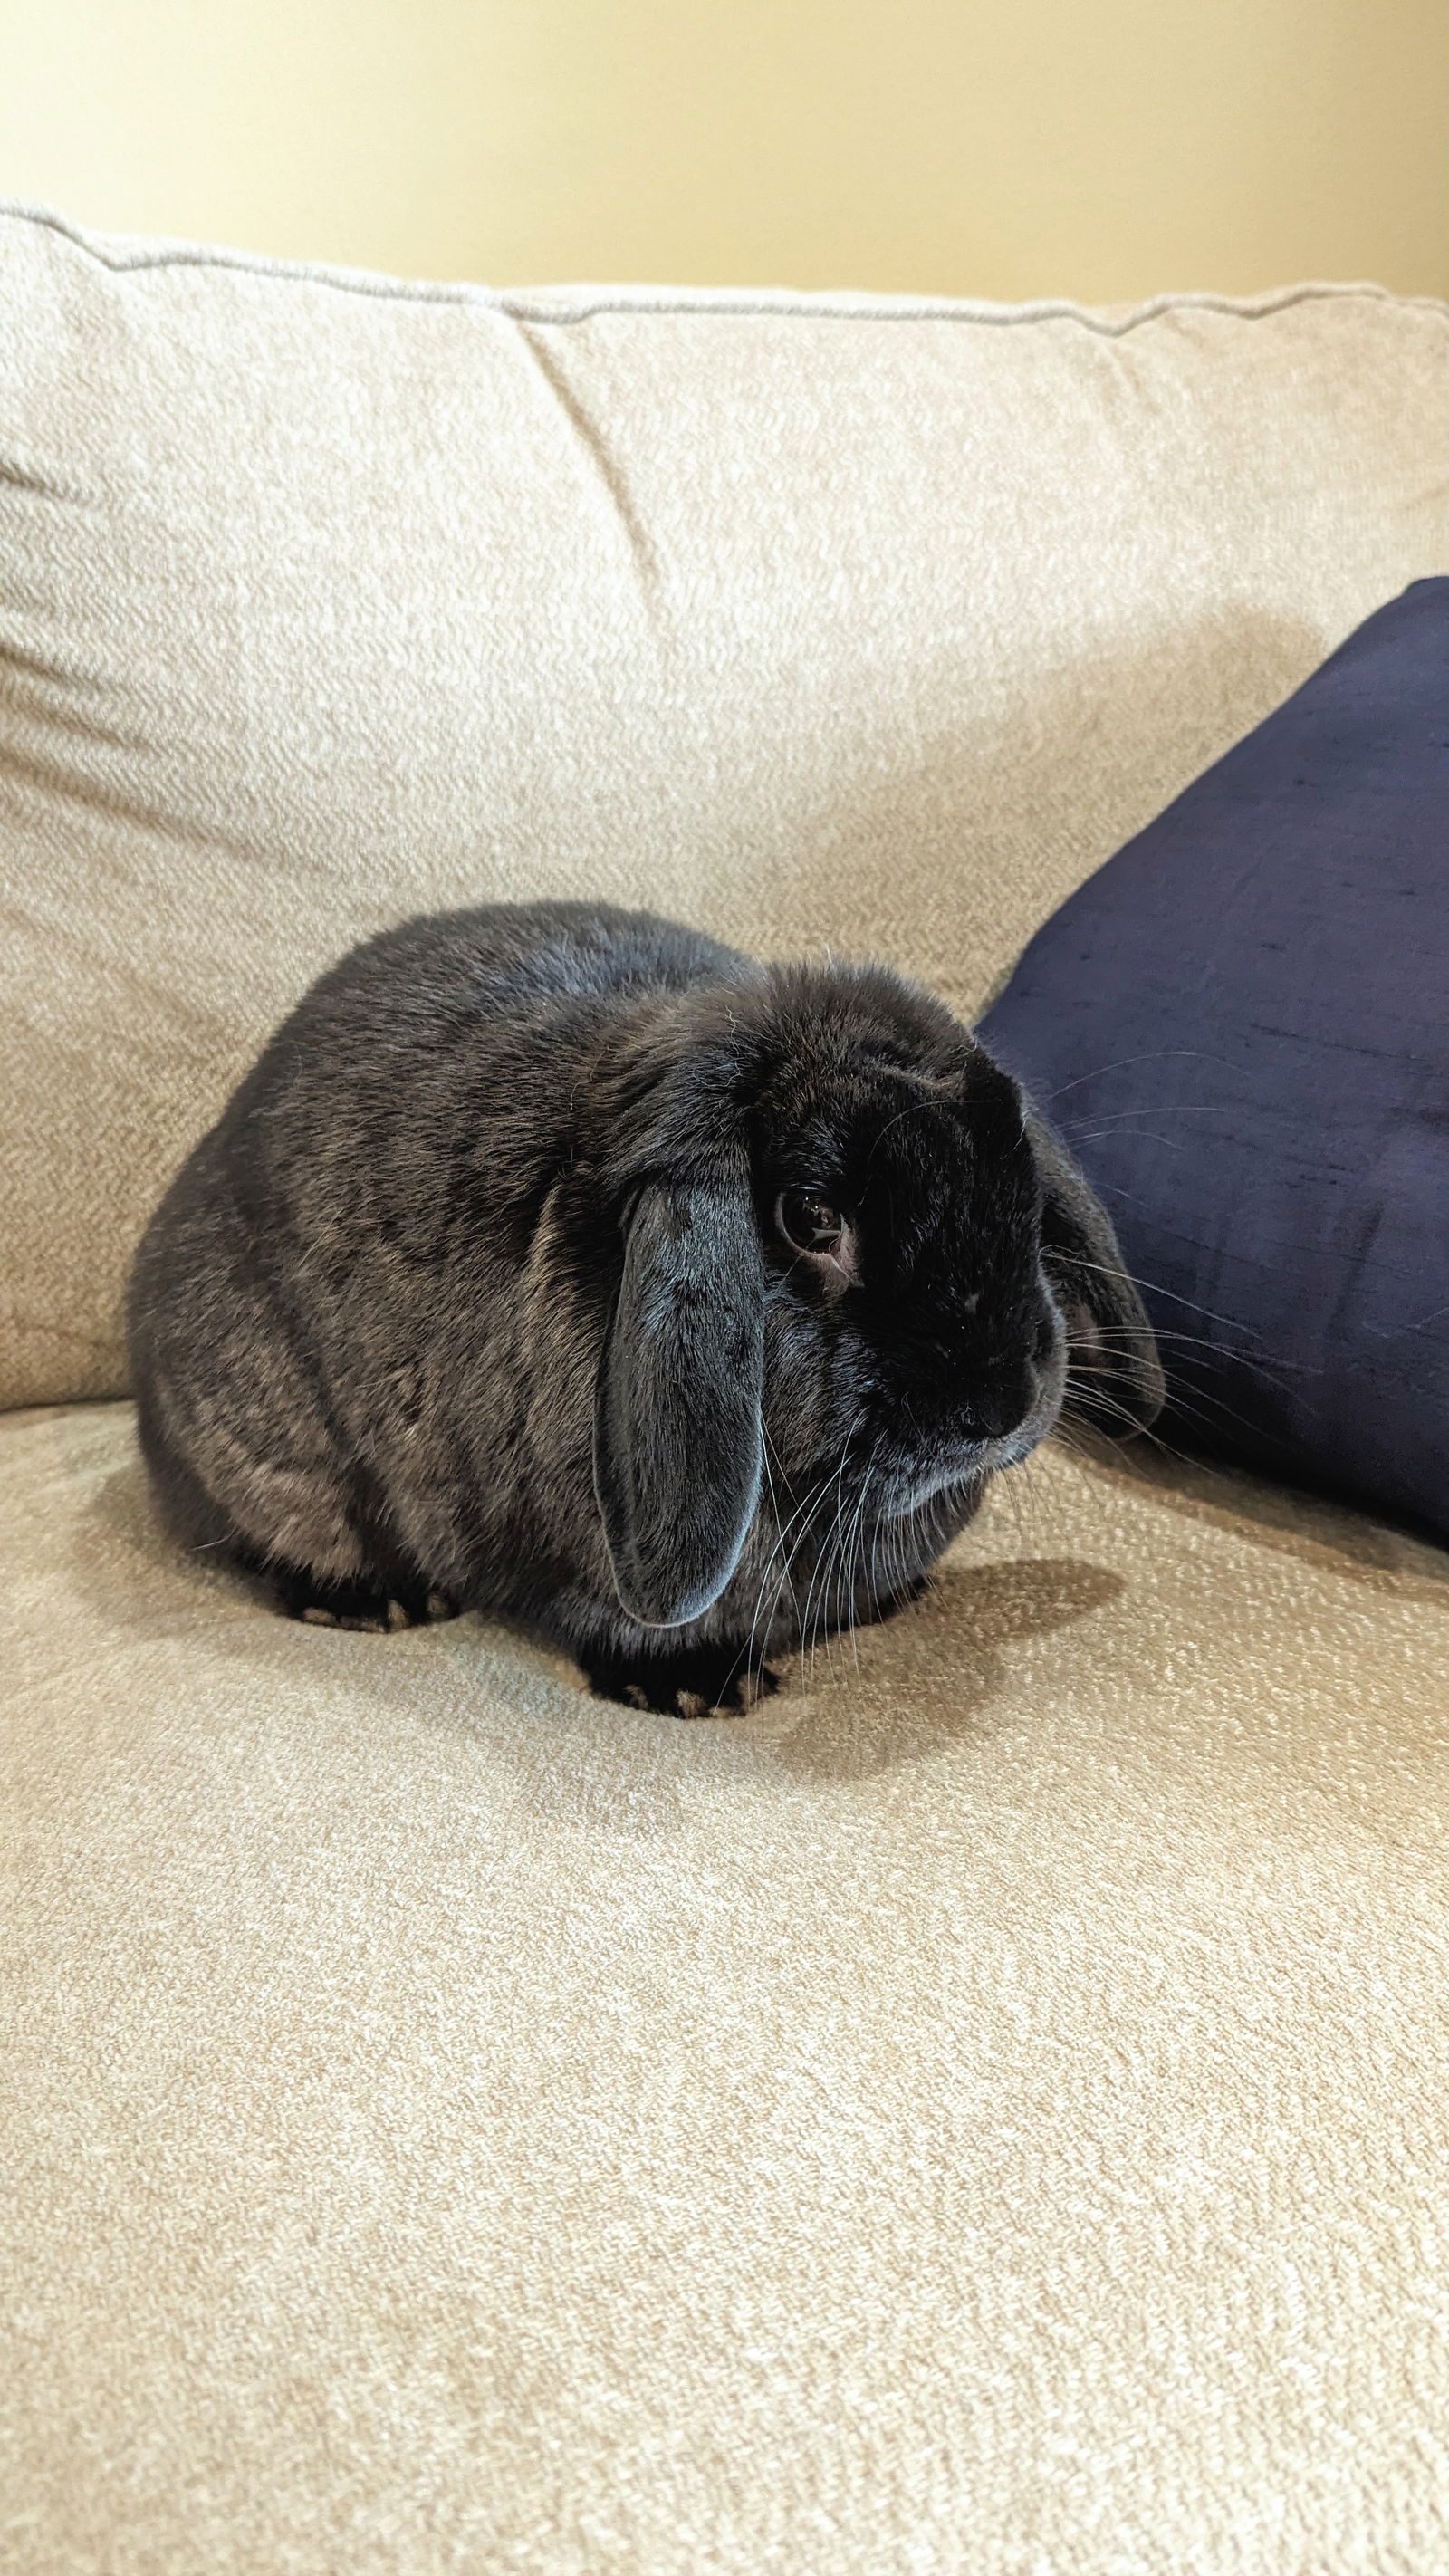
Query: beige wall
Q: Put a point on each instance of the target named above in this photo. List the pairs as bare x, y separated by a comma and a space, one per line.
1100, 148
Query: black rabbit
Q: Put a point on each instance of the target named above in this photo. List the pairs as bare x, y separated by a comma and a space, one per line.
560, 1262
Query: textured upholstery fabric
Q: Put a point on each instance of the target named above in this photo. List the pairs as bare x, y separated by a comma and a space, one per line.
324, 603
984, 2111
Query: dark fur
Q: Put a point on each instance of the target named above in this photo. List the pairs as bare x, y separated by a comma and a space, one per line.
474, 1296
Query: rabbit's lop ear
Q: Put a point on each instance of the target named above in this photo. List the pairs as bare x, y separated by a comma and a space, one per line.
677, 1437
1114, 1376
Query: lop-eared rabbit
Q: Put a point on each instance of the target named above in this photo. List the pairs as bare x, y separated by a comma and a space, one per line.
559, 1262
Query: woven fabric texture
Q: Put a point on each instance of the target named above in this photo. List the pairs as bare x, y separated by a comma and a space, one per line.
984, 2111
326, 601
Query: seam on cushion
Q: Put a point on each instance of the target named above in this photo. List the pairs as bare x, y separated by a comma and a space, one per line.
128, 253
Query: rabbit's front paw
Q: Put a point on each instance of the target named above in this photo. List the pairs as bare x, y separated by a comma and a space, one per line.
700, 1681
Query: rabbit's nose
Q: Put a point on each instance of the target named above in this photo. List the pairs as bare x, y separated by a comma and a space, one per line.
997, 1404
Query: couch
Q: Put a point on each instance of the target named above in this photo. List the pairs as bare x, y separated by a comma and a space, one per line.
985, 2109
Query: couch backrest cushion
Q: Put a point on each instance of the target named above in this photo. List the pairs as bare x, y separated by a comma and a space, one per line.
325, 599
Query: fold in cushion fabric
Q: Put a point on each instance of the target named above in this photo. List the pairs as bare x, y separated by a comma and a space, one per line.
1241, 1024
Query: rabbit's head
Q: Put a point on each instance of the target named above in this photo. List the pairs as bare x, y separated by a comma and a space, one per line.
850, 1247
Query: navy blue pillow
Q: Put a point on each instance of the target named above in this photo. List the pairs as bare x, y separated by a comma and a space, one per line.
1241, 1027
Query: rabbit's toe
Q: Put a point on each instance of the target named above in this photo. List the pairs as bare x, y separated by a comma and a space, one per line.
704, 1681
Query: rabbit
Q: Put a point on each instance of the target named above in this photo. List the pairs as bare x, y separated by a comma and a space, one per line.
560, 1262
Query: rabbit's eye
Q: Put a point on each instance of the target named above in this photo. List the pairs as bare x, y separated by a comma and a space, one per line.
808, 1224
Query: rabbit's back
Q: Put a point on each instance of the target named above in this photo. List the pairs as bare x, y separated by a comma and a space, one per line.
333, 1299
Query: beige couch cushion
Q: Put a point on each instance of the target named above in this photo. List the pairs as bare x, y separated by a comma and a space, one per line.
984, 2113
326, 600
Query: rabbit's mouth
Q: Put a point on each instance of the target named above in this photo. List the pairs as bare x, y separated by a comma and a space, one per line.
905, 1478
953, 1479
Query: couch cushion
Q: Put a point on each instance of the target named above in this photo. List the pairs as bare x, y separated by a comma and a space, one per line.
983, 2112
1242, 1026
327, 599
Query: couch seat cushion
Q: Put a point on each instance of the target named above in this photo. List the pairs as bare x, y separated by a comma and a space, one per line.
985, 2111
